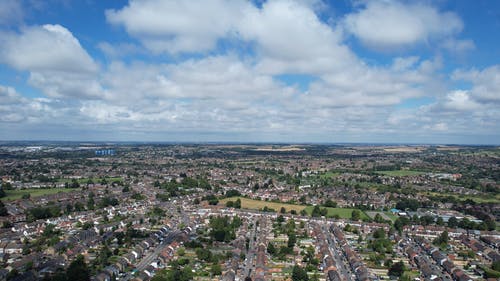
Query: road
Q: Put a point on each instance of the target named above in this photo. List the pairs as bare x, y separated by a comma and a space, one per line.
342, 264
250, 256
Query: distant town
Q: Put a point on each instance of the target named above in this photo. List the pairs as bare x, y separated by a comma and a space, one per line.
124, 211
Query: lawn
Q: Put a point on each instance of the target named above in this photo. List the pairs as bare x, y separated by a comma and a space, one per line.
95, 180
252, 204
400, 173
35, 192
343, 213
329, 175
258, 205
476, 198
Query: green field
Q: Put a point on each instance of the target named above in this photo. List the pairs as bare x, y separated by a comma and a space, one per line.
400, 173
35, 192
476, 198
258, 205
329, 175
95, 180
343, 213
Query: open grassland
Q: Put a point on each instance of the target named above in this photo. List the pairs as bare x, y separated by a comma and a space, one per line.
35, 192
343, 213
258, 205
94, 180
487, 198
400, 173
328, 175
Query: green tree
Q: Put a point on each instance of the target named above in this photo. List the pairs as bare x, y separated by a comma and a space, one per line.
78, 270
237, 203
3, 210
397, 269
452, 222
355, 215
299, 274
216, 269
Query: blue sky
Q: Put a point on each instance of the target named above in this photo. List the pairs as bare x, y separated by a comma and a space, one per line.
257, 71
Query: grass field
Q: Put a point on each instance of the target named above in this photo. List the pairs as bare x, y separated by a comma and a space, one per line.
35, 192
476, 198
257, 204
343, 213
95, 180
328, 175
400, 173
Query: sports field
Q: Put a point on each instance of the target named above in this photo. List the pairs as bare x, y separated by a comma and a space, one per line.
343, 213
35, 192
400, 173
246, 203
258, 205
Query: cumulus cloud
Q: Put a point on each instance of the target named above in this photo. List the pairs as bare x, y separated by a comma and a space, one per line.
57, 63
46, 48
11, 12
291, 38
394, 24
178, 26
217, 93
485, 83
459, 100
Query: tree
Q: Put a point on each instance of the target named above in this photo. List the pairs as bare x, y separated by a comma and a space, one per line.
78, 270
355, 215
216, 269
378, 218
3, 210
292, 239
316, 212
330, 203
397, 269
452, 222
282, 210
442, 239
237, 203
299, 274
271, 249
496, 265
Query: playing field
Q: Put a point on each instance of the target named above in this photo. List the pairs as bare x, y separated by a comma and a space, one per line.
94, 180
343, 213
258, 205
400, 173
35, 192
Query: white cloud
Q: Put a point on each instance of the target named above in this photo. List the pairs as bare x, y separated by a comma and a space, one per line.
57, 63
46, 48
120, 50
394, 24
11, 12
178, 26
485, 83
460, 100
459, 47
291, 38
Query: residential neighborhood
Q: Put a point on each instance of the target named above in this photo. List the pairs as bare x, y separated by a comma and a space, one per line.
249, 212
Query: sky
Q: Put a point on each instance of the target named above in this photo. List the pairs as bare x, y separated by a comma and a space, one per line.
297, 71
